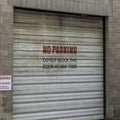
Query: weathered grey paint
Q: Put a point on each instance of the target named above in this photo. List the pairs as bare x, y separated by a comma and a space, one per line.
6, 22
92, 7
57, 30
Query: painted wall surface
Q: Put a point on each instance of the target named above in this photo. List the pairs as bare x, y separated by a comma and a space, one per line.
92, 7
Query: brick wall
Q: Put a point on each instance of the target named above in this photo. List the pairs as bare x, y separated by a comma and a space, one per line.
6, 16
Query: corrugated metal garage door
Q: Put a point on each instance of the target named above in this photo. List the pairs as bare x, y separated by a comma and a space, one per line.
58, 66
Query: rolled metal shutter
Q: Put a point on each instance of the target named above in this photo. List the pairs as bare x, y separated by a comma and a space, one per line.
73, 91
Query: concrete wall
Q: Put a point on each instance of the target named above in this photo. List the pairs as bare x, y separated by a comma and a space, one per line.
113, 66
92, 7
6, 41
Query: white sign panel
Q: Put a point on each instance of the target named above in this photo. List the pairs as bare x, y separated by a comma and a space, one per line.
63, 57
5, 82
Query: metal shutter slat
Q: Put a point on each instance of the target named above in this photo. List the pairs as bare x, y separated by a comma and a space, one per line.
57, 93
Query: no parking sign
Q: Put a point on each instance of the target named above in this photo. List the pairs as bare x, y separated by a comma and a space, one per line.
5, 82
